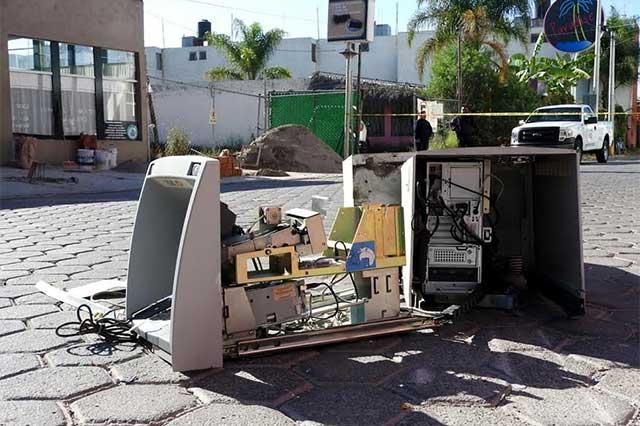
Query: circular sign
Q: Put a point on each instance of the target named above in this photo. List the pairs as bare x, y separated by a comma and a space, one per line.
570, 25
132, 132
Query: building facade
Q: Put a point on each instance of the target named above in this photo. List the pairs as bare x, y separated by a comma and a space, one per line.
389, 58
71, 67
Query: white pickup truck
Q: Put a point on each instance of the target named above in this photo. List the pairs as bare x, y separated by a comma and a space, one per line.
566, 126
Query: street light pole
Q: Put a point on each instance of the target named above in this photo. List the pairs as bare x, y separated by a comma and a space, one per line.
596, 62
348, 53
612, 74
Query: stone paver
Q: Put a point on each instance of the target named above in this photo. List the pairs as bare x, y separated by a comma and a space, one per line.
147, 369
11, 364
95, 353
527, 367
11, 326
35, 341
54, 383
232, 415
23, 312
133, 404
265, 385
345, 404
21, 413
53, 320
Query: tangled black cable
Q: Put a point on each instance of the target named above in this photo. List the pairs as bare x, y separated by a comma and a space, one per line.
110, 329
335, 298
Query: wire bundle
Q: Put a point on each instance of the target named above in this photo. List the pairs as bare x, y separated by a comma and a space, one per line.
111, 329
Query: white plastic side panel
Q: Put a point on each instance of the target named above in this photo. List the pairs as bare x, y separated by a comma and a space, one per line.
408, 178
196, 322
347, 182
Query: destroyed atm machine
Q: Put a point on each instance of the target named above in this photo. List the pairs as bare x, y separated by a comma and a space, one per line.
200, 288
420, 237
486, 224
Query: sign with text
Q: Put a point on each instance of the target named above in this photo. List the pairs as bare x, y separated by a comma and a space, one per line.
120, 130
351, 20
570, 25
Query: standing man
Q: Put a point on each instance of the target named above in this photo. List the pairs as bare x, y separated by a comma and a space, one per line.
463, 126
423, 132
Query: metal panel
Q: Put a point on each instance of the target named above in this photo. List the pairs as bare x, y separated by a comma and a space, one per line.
407, 193
177, 220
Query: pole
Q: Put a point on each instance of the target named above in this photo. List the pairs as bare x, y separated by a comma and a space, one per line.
612, 75
358, 85
459, 68
318, 23
213, 108
348, 53
596, 62
267, 105
164, 44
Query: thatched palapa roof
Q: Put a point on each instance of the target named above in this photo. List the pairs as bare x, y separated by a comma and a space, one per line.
374, 90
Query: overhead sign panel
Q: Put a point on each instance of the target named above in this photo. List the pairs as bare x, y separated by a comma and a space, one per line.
351, 20
570, 25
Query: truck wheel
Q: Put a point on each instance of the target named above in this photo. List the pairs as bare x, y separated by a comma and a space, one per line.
579, 149
603, 155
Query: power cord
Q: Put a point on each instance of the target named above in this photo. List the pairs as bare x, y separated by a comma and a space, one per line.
111, 329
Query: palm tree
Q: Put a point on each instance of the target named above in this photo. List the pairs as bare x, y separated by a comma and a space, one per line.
247, 57
491, 23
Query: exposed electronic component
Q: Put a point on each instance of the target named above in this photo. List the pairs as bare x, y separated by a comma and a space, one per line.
454, 203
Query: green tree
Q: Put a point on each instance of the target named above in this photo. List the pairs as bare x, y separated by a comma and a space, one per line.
482, 89
560, 73
627, 53
248, 56
481, 22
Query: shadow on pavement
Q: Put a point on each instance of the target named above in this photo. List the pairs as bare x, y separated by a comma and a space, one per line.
487, 358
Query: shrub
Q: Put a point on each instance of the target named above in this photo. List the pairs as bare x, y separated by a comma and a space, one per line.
177, 143
483, 90
620, 124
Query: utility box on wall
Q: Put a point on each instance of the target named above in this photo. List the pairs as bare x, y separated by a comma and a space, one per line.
522, 214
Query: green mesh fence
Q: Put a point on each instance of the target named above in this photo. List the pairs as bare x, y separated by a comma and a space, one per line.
320, 112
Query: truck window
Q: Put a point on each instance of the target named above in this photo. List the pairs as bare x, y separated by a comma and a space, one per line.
588, 112
556, 114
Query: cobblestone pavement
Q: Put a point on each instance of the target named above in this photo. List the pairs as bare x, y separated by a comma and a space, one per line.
532, 366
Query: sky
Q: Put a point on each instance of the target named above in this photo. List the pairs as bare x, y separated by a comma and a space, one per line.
297, 17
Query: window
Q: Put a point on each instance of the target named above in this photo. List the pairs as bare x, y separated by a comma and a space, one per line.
159, 61
119, 85
193, 56
60, 89
202, 55
31, 86
78, 88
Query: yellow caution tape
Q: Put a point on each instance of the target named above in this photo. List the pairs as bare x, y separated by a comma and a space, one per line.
493, 114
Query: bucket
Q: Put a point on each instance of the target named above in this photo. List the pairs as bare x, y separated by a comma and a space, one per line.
86, 157
103, 159
114, 157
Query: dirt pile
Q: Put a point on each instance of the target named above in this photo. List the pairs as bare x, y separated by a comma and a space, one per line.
292, 148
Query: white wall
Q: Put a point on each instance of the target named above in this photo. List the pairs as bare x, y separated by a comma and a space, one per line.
239, 112
389, 58
185, 107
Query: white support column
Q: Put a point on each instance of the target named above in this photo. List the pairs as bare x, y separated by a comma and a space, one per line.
611, 104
